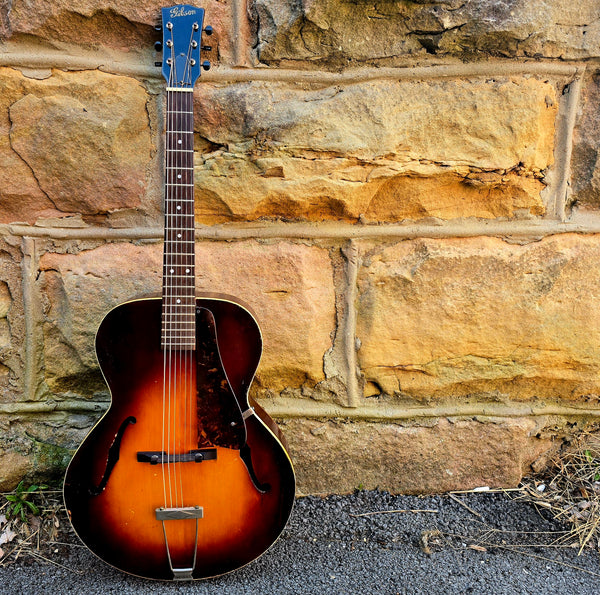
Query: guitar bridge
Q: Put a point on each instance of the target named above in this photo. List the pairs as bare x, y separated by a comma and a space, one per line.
155, 457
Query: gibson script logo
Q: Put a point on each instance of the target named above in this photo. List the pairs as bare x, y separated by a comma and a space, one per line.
180, 11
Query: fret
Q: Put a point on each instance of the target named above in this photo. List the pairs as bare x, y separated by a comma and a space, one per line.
188, 168
171, 184
180, 132
172, 309
178, 112
190, 276
178, 346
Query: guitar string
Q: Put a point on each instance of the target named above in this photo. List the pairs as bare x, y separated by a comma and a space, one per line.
179, 299
183, 306
189, 235
165, 299
169, 328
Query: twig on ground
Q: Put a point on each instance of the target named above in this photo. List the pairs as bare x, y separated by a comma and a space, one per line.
416, 510
38, 555
465, 505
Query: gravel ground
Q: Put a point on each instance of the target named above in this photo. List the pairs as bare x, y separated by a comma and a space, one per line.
327, 550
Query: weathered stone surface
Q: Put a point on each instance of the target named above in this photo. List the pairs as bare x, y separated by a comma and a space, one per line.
340, 32
480, 317
38, 448
289, 286
72, 143
387, 150
339, 457
13, 467
12, 323
585, 162
122, 24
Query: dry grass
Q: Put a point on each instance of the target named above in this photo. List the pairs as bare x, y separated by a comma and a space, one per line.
570, 491
38, 537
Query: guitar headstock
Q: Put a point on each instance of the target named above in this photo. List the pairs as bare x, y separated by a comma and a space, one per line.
182, 27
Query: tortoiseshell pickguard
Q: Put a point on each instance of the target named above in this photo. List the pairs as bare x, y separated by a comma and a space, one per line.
220, 421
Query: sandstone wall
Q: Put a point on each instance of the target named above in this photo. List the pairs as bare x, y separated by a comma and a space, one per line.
406, 193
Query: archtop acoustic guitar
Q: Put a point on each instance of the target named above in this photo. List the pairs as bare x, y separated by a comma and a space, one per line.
182, 478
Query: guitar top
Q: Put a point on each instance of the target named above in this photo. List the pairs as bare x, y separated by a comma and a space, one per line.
183, 478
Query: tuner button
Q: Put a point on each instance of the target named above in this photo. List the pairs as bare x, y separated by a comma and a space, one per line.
158, 46
158, 27
207, 48
158, 64
206, 65
208, 30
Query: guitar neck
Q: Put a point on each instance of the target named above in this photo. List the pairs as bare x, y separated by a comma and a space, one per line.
178, 297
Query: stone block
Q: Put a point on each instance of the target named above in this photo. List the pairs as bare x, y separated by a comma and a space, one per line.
289, 286
338, 33
342, 456
12, 323
38, 447
481, 317
585, 162
386, 150
13, 468
76, 142
120, 24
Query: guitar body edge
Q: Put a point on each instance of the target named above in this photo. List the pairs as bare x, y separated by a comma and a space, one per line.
240, 498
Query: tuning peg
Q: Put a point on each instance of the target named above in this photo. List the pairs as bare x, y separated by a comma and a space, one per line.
206, 65
158, 46
158, 64
158, 28
208, 30
207, 48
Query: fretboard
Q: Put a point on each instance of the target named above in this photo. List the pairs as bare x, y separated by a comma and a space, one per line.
178, 298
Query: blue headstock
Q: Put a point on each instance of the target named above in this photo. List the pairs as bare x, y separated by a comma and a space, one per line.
182, 42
